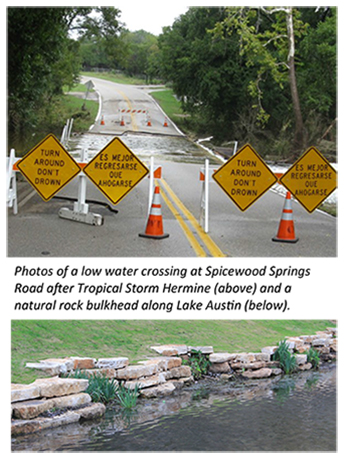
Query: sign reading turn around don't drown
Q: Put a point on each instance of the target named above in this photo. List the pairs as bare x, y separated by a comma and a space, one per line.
245, 177
48, 167
115, 170
311, 179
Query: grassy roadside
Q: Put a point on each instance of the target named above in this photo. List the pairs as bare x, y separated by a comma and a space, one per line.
34, 340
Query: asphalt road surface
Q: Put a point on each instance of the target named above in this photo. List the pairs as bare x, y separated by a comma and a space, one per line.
37, 230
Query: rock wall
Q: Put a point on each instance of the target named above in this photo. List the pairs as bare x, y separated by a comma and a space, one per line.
157, 376
39, 405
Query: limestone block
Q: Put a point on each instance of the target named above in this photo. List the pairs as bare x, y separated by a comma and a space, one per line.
31, 409
249, 365
177, 373
202, 349
39, 423
270, 350
146, 382
171, 349
245, 357
332, 330
262, 357
221, 357
321, 341
137, 371
83, 363
56, 386
276, 371
301, 359
22, 392
220, 367
333, 345
114, 362
296, 342
307, 338
158, 391
163, 363
258, 374
94, 410
53, 369
72, 401
305, 367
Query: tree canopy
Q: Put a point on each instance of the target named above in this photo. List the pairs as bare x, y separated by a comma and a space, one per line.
242, 73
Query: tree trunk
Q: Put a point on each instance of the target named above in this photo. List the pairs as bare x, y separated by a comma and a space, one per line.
298, 143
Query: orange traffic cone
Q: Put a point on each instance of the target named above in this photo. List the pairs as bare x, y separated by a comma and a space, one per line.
149, 122
154, 228
122, 121
102, 122
286, 232
165, 123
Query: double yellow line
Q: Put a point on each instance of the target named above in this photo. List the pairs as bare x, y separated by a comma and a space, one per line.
203, 245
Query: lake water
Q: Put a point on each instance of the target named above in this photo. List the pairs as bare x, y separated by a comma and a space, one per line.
292, 413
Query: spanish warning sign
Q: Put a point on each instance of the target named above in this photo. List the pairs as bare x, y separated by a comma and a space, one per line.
311, 179
48, 167
245, 177
115, 170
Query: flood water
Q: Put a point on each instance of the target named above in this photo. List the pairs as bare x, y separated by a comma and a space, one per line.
292, 413
171, 148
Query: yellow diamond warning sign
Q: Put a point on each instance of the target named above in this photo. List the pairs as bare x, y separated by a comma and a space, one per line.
48, 167
115, 170
311, 179
245, 177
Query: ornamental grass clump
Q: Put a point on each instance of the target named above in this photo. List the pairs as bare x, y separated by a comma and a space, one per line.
127, 397
286, 359
313, 357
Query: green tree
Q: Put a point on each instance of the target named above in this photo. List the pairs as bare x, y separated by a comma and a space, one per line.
207, 72
41, 58
140, 53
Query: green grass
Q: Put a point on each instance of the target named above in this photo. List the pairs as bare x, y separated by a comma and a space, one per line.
167, 101
34, 340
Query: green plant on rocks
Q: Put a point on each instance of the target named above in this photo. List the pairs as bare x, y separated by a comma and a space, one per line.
286, 359
105, 390
127, 397
313, 357
198, 363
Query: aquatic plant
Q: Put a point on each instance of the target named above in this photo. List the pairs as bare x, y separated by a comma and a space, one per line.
127, 397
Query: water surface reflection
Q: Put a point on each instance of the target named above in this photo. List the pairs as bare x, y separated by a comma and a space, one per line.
296, 413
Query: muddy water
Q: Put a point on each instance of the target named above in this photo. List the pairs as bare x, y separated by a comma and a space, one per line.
296, 413
176, 149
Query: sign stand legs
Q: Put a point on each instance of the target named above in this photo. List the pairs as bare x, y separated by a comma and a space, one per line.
12, 183
80, 211
204, 216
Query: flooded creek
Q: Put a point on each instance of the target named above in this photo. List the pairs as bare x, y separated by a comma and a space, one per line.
292, 413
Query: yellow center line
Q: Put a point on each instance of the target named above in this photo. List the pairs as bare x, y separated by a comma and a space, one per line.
188, 233
208, 242
132, 116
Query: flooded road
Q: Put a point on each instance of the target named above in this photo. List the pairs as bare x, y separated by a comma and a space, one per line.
162, 148
292, 413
